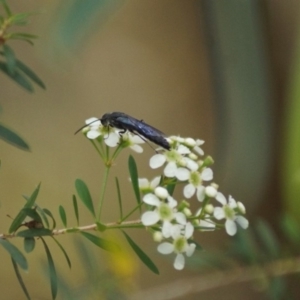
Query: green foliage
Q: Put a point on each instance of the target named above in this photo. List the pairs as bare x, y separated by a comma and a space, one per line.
84, 195
141, 254
134, 178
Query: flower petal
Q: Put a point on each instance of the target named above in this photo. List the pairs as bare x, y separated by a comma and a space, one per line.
179, 262
230, 227
189, 230
170, 169
201, 193
219, 213
182, 174
189, 191
151, 199
221, 198
165, 248
157, 161
190, 249
207, 174
150, 218
243, 222
93, 134
180, 218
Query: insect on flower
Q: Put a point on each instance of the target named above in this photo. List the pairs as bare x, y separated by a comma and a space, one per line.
125, 122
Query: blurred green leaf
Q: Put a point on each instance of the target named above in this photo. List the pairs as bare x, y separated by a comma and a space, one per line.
20, 279
21, 35
267, 239
48, 213
291, 229
141, 254
20, 19
52, 271
85, 195
17, 77
134, 178
15, 253
75, 205
35, 232
63, 215
18, 220
29, 244
13, 138
6, 7
244, 247
32, 75
63, 251
104, 244
11, 61
119, 197
278, 289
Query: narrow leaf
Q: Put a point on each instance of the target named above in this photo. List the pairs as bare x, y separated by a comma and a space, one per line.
19, 19
63, 215
63, 251
134, 178
6, 7
17, 77
85, 195
119, 197
48, 213
13, 138
141, 254
43, 216
267, 239
30, 42
10, 59
52, 271
32, 213
21, 35
29, 244
20, 279
18, 220
75, 205
15, 253
32, 75
35, 232
104, 244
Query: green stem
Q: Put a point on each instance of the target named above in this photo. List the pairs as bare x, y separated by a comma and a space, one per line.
131, 212
103, 189
205, 202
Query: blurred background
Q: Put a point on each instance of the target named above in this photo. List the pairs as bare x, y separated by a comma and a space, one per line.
226, 72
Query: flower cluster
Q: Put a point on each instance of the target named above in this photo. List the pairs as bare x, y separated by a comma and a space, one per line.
173, 223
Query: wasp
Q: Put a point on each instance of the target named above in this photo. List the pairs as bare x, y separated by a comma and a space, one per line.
125, 123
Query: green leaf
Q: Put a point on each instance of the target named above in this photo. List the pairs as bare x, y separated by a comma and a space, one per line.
291, 229
20, 35
32, 213
25, 69
43, 216
6, 7
48, 213
52, 271
18, 220
75, 205
35, 232
10, 59
63, 251
104, 244
63, 215
15, 253
13, 138
85, 195
20, 19
101, 227
29, 244
20, 279
119, 198
267, 239
141, 254
17, 77
134, 178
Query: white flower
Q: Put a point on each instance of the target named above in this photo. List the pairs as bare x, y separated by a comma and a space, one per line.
146, 186
180, 245
132, 141
197, 149
195, 183
228, 212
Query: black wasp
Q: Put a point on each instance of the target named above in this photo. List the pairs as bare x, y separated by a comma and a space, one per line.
125, 122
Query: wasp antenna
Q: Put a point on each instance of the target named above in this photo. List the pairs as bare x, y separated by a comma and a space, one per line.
86, 125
